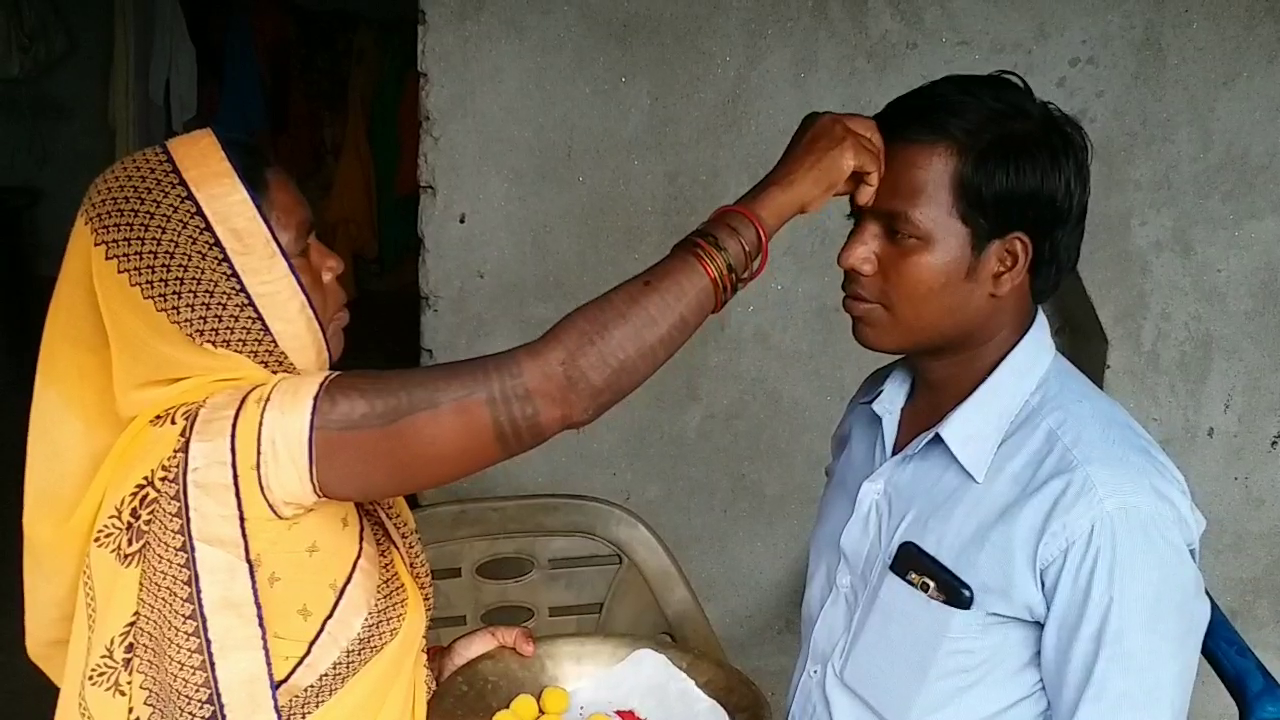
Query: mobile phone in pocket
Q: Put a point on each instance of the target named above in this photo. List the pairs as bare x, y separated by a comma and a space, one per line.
927, 574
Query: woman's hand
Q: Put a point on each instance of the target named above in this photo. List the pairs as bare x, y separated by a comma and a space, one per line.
830, 155
477, 643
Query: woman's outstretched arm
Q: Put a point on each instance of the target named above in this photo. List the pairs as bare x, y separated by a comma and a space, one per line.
381, 434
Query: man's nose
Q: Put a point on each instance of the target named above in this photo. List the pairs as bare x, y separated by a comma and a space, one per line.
858, 253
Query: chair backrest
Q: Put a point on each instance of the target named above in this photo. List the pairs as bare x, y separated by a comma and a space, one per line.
1246, 679
558, 564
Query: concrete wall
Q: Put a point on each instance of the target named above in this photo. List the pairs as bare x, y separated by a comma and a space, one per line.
579, 140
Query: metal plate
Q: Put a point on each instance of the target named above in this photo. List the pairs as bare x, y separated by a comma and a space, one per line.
485, 685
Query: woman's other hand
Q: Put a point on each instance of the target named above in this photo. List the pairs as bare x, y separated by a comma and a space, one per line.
477, 643
830, 155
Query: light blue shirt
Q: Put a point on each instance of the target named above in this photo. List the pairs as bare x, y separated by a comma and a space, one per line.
1076, 533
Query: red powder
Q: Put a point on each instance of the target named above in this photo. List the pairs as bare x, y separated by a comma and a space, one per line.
627, 715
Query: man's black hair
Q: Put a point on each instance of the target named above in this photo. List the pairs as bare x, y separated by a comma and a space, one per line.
1022, 164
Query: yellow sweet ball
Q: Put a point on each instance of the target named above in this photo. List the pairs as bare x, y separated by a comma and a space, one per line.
554, 700
550, 717
506, 714
599, 716
525, 706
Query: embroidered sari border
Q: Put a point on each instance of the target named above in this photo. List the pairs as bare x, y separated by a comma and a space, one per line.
286, 472
266, 273
224, 583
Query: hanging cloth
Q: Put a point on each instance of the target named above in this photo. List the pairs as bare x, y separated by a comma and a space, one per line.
173, 64
32, 38
349, 219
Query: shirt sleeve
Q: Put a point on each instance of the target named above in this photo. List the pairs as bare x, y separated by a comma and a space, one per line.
1126, 618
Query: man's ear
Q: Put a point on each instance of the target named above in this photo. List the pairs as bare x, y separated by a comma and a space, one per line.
1008, 263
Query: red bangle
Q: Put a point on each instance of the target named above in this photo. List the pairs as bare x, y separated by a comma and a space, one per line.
715, 282
759, 226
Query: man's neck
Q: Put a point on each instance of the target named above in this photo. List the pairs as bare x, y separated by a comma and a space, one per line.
942, 381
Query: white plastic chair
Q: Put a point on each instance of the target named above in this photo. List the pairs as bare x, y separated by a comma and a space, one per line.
558, 564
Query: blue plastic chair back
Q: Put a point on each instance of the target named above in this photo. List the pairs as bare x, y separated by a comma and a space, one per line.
1250, 684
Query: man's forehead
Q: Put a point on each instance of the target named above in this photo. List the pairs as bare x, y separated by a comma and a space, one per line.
915, 174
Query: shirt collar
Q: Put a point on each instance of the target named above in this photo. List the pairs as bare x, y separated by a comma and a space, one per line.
886, 388
974, 430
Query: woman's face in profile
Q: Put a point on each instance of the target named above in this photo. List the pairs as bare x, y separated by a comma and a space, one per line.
317, 266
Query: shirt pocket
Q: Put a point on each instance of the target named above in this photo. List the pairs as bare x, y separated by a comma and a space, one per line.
892, 658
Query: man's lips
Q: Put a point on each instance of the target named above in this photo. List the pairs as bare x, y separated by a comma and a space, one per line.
855, 302
857, 295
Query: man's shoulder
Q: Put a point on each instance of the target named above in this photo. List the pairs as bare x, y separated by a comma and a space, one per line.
1092, 449
1100, 436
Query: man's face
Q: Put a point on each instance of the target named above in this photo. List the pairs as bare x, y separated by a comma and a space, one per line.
912, 284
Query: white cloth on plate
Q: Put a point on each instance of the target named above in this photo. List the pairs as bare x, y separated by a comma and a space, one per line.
647, 683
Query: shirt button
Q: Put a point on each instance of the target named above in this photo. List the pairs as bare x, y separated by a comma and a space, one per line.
813, 671
876, 489
843, 581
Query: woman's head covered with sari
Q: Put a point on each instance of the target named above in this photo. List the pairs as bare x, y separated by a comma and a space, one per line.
188, 337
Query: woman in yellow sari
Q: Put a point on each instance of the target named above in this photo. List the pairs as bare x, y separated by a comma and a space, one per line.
213, 523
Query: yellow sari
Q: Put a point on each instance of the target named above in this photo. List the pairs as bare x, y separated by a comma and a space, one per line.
179, 560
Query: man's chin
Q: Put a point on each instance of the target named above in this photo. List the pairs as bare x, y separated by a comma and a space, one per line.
873, 338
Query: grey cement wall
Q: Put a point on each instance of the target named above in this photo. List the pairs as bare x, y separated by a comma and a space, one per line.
581, 139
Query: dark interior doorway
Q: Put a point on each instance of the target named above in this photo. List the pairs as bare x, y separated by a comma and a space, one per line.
339, 111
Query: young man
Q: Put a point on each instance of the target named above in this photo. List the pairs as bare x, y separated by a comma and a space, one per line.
997, 538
